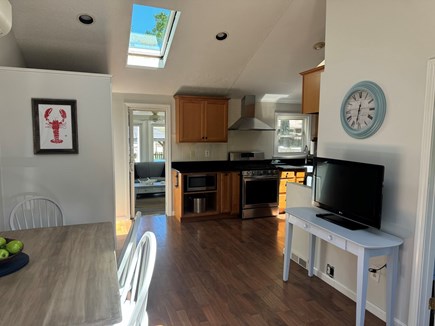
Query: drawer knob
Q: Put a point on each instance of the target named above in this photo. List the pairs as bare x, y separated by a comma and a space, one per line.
329, 237
305, 225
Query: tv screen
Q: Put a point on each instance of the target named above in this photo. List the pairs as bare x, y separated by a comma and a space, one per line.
351, 191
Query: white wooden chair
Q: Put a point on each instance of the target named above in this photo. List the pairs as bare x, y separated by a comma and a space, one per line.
134, 293
36, 212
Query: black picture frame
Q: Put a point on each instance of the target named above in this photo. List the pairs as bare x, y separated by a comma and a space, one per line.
54, 126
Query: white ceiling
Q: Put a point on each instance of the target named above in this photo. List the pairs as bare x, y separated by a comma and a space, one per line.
269, 43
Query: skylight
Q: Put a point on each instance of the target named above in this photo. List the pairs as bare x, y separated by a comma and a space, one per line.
151, 33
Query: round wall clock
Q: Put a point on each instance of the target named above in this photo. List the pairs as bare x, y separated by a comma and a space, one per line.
363, 109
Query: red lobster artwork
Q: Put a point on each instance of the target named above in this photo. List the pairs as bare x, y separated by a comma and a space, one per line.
55, 123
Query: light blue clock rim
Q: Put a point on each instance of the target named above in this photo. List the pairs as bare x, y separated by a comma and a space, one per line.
380, 103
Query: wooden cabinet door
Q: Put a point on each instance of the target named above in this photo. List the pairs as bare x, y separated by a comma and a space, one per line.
311, 90
235, 193
177, 194
216, 121
282, 203
230, 193
201, 119
189, 114
225, 193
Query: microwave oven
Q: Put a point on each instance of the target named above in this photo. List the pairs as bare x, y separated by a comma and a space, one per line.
200, 182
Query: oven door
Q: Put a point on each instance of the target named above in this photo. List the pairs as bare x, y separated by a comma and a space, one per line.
259, 191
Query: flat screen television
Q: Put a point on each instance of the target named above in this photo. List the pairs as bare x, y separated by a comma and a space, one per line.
350, 191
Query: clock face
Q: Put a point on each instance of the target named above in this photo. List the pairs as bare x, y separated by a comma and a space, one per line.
360, 110
363, 109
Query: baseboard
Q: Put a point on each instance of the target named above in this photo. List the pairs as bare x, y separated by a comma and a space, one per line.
375, 310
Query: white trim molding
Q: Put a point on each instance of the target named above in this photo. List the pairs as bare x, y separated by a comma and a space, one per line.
424, 242
168, 148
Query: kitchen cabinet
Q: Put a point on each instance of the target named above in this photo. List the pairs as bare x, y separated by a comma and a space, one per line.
221, 202
201, 119
311, 89
229, 193
297, 175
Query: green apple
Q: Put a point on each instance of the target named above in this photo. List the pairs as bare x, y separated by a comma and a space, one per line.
14, 246
2, 242
3, 254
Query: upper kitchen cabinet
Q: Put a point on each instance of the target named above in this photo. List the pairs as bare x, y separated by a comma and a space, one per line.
311, 89
201, 119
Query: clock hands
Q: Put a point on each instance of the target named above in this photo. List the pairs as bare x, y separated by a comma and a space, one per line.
359, 111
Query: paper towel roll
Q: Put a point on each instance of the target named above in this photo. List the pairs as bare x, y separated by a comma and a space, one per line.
313, 148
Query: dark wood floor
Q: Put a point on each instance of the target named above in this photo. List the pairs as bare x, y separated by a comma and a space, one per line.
229, 272
150, 204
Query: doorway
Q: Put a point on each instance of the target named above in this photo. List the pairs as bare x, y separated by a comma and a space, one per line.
149, 163
424, 238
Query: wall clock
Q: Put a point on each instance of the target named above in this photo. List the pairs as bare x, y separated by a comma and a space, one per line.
363, 109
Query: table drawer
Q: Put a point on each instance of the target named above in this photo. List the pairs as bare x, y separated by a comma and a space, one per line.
318, 232
329, 237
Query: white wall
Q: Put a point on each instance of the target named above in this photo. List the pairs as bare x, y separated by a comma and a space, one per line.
83, 184
388, 42
10, 54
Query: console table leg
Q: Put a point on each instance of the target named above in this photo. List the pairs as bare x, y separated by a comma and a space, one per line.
361, 289
392, 267
287, 249
311, 250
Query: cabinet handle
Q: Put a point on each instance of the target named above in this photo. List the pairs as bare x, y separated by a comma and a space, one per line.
305, 226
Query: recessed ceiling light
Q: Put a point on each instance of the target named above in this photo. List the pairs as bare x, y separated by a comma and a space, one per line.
86, 19
221, 36
319, 45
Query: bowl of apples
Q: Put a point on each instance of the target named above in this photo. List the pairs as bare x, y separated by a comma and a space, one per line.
9, 249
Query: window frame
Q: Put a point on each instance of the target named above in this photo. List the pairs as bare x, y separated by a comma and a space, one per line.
306, 134
152, 139
145, 58
137, 127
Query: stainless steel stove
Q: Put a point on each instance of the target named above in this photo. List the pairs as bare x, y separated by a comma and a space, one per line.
259, 185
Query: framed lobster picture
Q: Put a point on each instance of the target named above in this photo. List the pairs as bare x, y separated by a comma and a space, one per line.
54, 126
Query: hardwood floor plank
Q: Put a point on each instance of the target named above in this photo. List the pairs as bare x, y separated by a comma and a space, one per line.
229, 272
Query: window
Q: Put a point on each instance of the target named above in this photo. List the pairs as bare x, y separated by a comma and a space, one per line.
158, 132
292, 134
136, 143
151, 33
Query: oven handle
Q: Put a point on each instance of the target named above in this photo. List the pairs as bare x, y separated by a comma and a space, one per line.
260, 177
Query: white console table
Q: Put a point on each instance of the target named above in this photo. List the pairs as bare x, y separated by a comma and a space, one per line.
363, 243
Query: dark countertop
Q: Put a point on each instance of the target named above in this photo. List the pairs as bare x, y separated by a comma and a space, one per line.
215, 166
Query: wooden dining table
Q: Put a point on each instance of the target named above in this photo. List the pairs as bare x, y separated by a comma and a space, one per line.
70, 278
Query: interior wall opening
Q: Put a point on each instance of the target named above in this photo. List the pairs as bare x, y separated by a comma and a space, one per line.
147, 130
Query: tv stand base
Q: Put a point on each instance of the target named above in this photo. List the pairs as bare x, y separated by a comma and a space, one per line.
362, 243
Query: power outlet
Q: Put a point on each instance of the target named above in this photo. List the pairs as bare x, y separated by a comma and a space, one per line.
207, 153
375, 276
330, 270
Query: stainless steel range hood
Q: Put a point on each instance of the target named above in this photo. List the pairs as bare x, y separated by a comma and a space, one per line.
248, 121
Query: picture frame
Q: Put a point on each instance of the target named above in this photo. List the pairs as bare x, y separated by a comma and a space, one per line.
54, 126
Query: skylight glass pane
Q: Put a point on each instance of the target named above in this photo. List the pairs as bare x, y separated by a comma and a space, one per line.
150, 28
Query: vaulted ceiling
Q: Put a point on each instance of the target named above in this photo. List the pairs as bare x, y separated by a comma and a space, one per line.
269, 43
